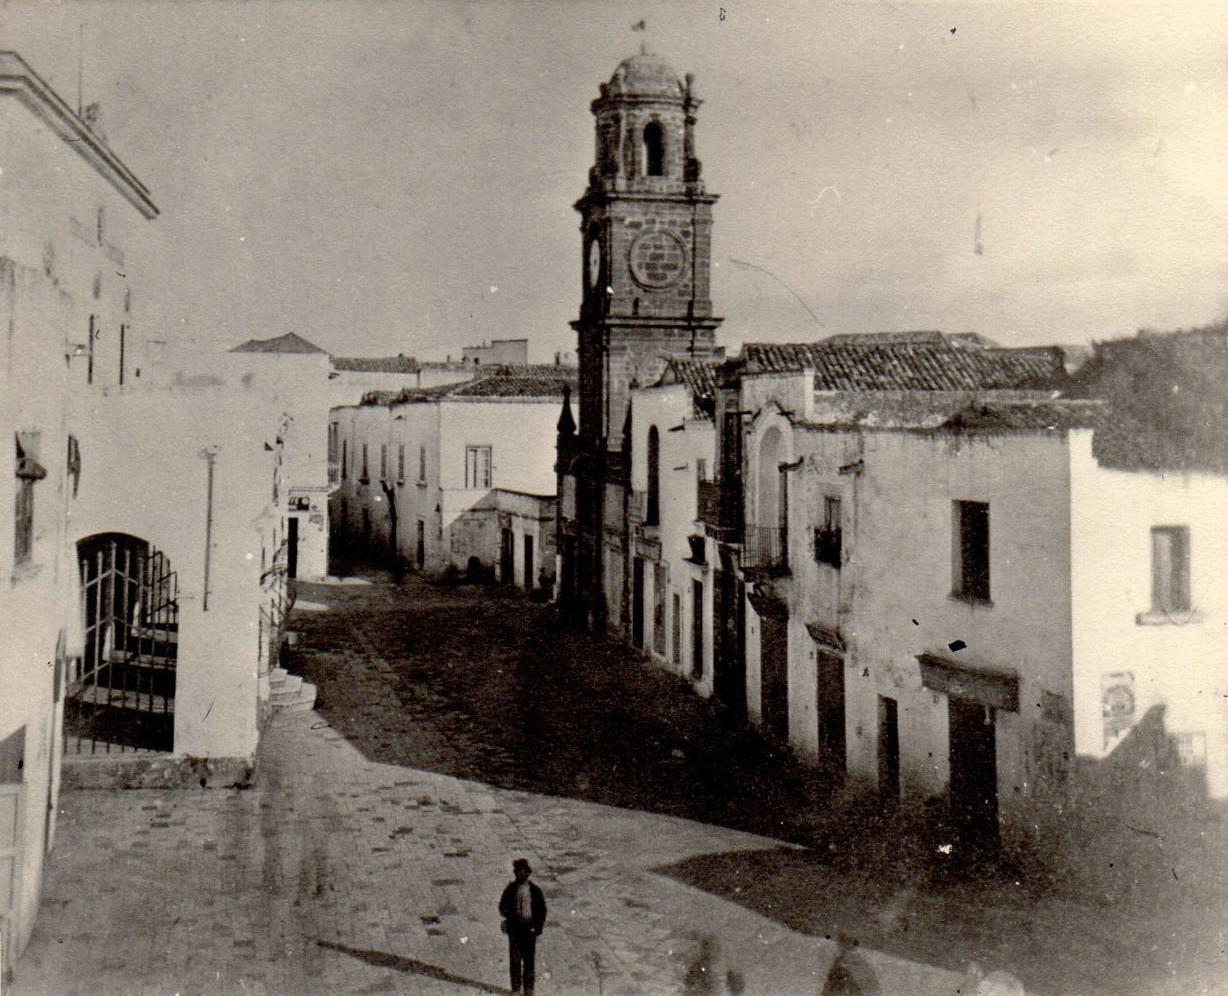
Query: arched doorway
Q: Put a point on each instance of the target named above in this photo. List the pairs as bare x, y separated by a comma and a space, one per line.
122, 696
769, 542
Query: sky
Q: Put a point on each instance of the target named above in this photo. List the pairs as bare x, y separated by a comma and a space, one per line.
399, 177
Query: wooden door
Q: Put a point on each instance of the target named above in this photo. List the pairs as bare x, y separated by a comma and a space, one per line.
974, 772
830, 692
774, 676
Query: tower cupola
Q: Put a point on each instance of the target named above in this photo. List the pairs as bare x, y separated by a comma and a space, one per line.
645, 129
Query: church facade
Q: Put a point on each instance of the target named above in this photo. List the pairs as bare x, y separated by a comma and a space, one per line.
646, 232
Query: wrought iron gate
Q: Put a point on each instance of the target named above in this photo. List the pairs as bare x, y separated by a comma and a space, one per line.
123, 696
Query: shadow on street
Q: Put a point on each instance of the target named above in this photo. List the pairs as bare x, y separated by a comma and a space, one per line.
477, 683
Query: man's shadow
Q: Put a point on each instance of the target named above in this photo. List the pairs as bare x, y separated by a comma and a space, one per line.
411, 966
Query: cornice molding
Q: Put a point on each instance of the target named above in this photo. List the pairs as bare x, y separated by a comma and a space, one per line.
22, 82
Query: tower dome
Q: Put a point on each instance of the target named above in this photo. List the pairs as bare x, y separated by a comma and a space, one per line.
645, 75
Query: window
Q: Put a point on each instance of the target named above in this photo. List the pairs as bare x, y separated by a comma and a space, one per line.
28, 470
827, 537
383, 461
345, 459
400, 462
477, 466
701, 468
332, 442
654, 149
365, 476
970, 556
422, 464
1170, 569
652, 514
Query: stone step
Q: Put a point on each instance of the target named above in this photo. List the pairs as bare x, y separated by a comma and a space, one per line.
303, 699
287, 690
277, 678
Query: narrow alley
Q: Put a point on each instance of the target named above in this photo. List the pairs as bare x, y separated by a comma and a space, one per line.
456, 728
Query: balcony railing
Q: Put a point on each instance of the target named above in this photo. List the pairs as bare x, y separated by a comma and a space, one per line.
766, 548
720, 509
709, 503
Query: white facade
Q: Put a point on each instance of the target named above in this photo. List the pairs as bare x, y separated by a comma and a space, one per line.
1008, 700
445, 476
1128, 658
673, 548
72, 211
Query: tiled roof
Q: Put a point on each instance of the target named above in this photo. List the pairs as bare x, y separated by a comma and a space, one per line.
520, 381
700, 378
406, 395
376, 364
881, 365
288, 343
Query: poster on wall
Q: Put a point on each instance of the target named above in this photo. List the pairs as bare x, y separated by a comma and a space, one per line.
1116, 704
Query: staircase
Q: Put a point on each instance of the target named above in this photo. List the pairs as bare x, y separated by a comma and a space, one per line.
126, 702
289, 692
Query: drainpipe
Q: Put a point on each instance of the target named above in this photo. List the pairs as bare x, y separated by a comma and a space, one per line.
208, 454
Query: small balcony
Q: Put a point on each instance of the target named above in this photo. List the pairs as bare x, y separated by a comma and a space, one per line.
709, 503
719, 508
765, 550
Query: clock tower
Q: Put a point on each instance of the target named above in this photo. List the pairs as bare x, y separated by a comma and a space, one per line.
646, 231
646, 237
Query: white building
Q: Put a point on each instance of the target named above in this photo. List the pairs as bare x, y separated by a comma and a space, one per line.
71, 211
668, 598
497, 352
954, 601
439, 477
146, 565
353, 377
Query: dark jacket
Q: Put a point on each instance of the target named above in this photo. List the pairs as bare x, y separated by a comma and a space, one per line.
507, 906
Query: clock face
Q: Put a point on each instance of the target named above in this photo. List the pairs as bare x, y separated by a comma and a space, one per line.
657, 258
594, 262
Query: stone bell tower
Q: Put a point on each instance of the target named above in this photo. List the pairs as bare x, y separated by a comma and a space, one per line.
646, 233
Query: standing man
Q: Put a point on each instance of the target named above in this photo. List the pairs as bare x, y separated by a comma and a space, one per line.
523, 908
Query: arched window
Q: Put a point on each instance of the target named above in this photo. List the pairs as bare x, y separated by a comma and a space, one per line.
654, 149
653, 513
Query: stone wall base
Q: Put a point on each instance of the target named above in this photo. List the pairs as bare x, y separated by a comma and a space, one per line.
161, 771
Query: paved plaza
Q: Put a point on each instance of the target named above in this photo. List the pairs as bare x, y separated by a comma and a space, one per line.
369, 854
335, 874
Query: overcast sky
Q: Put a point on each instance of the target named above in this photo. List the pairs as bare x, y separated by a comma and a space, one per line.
385, 178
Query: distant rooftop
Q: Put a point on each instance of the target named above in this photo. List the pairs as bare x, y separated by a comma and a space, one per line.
910, 361
288, 343
502, 382
377, 364
700, 378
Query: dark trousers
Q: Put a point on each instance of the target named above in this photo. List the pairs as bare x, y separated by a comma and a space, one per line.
522, 955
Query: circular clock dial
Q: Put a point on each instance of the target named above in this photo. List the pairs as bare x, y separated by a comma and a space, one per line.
658, 259
594, 262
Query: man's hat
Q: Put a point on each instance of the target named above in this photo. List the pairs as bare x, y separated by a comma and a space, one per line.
520, 863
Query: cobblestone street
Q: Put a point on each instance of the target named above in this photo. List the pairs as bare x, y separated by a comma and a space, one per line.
457, 728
